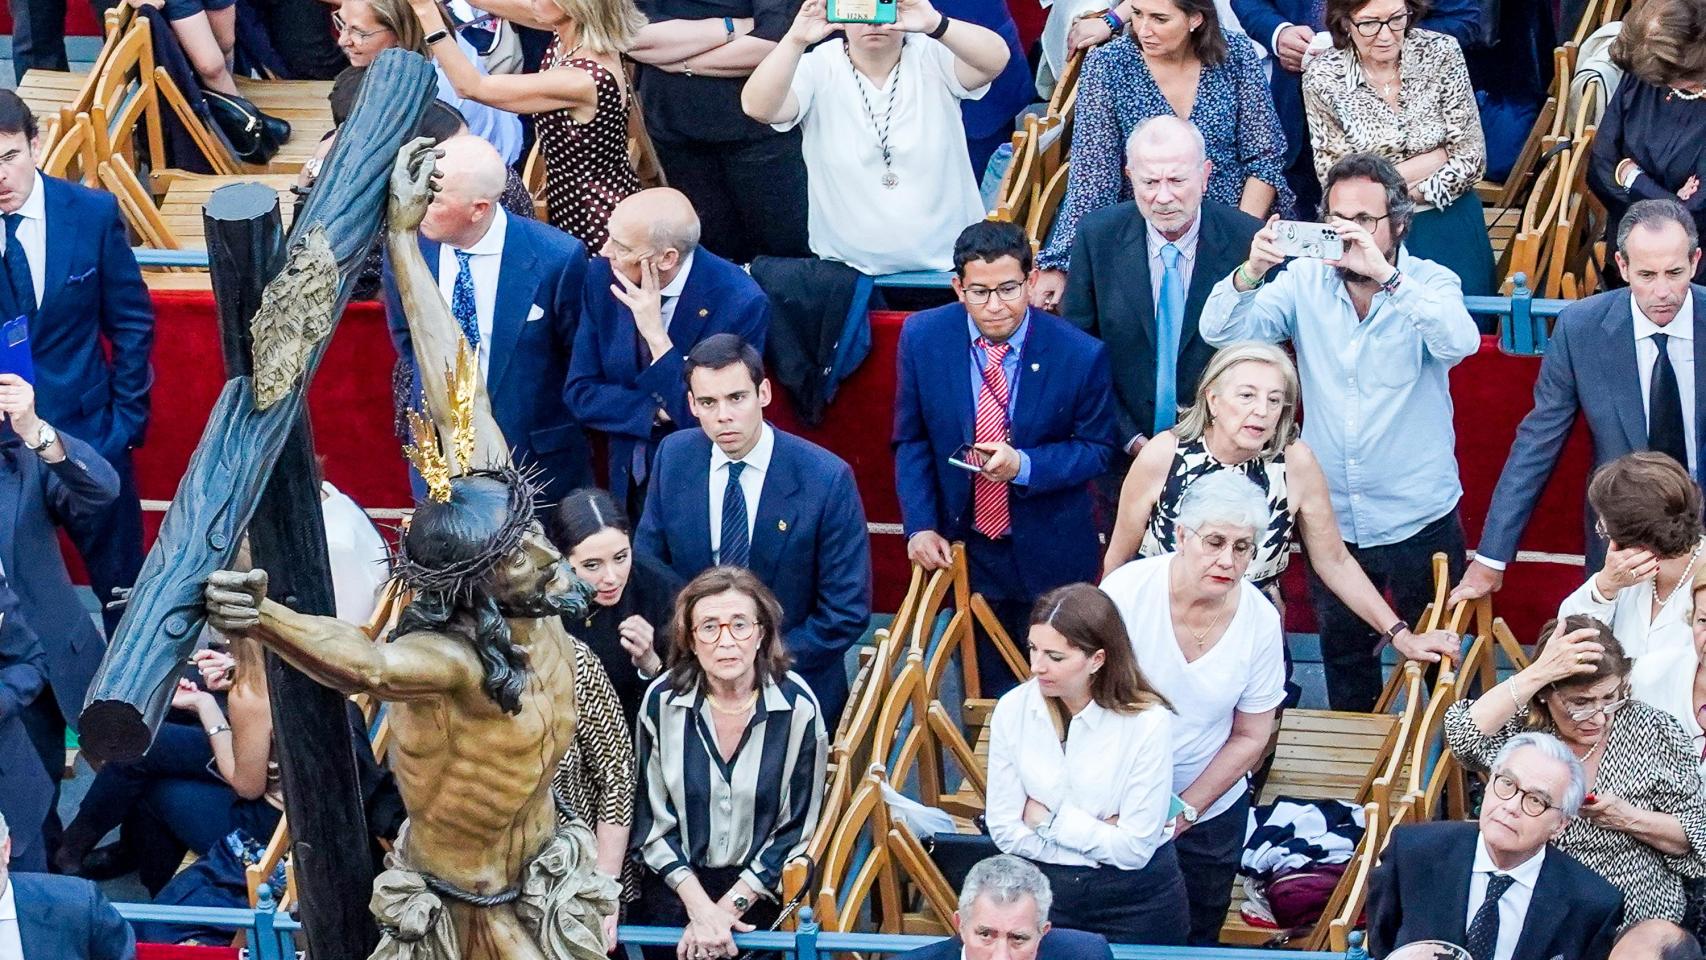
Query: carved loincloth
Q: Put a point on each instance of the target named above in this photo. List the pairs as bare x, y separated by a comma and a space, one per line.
561, 902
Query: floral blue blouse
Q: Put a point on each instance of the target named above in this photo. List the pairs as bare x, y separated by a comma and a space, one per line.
1234, 110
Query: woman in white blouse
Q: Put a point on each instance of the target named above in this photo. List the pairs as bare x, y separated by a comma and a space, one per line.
1674, 680
1211, 644
1649, 512
1080, 761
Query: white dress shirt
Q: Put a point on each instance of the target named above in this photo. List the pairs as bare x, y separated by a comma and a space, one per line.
1513, 906
32, 233
757, 462
671, 293
1680, 348
485, 262
1630, 615
11, 946
1187, 245
357, 552
1244, 672
1665, 679
1378, 388
500, 128
1111, 764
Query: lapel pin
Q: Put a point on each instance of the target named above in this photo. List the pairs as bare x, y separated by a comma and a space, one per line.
1035, 367
704, 312
782, 525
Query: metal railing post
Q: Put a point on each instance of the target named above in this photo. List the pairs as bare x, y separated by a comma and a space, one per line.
263, 939
805, 938
1530, 337
1354, 949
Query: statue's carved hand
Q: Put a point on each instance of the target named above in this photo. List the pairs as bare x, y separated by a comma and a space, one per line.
413, 182
234, 599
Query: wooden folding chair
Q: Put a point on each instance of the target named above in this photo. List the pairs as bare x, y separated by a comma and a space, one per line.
856, 865
56, 96
72, 156
1041, 218
209, 143
125, 105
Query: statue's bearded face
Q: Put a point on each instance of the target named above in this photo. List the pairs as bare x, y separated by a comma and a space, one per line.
535, 580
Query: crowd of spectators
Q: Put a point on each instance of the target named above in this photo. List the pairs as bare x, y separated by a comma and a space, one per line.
1108, 417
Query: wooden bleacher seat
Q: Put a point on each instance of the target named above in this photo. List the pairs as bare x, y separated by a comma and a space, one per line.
304, 104
180, 208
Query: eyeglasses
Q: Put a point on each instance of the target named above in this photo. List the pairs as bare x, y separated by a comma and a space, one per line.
1533, 803
1599, 529
1582, 714
1367, 221
1397, 23
1009, 292
363, 36
740, 630
1242, 549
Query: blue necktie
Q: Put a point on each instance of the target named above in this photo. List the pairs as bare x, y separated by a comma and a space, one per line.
462, 302
18, 269
1169, 317
736, 546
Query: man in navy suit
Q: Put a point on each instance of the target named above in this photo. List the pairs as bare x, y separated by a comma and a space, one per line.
653, 296
69, 271
1003, 915
514, 285
1286, 27
60, 917
48, 479
1031, 393
1499, 887
25, 790
1604, 364
739, 492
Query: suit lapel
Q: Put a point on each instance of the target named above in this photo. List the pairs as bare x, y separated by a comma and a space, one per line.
775, 521
36, 934
1699, 332
514, 302
693, 307
956, 343
61, 231
1541, 919
1034, 371
1459, 867
1621, 368
1210, 243
698, 512
1135, 241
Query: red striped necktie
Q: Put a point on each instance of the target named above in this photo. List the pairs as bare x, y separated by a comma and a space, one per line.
989, 499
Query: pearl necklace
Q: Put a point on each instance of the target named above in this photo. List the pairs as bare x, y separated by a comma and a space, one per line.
1678, 93
1682, 580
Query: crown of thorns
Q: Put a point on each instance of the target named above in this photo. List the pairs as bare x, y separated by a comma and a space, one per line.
463, 577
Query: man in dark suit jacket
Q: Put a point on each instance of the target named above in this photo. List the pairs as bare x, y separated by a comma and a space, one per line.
1285, 27
784, 507
654, 295
1042, 424
1115, 281
60, 917
1604, 363
1499, 888
48, 479
75, 280
25, 790
1003, 915
524, 291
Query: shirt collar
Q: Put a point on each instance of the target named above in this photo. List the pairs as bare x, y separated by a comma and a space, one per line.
1017, 339
9, 902
679, 283
1092, 714
35, 208
1645, 328
1187, 244
1526, 873
775, 701
493, 240
758, 458
1406, 54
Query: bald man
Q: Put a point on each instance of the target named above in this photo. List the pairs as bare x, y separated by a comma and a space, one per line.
1168, 241
650, 298
1655, 940
514, 286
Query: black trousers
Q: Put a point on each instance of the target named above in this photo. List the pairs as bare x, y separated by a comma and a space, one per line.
45, 726
111, 542
750, 194
1403, 569
1208, 856
38, 33
1127, 906
992, 568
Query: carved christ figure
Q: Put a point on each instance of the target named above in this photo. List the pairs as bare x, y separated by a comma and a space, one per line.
479, 672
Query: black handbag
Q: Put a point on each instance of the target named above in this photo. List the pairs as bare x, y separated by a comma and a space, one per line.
252, 139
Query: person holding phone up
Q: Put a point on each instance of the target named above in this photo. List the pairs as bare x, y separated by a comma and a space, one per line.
1377, 332
883, 137
1032, 395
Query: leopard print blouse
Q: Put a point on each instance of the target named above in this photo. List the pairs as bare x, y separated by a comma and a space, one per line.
1436, 108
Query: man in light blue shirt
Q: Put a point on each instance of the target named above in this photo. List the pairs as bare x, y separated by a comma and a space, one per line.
1376, 333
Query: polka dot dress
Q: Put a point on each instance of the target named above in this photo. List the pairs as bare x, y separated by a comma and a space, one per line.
586, 164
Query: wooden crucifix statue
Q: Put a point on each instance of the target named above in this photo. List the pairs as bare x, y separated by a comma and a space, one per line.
479, 670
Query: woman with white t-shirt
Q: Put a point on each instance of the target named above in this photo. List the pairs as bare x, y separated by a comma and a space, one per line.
891, 184
1212, 645
1080, 775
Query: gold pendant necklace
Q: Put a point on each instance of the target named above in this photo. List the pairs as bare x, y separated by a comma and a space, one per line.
732, 711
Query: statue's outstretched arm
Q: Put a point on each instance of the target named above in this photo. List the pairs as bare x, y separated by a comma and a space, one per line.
338, 654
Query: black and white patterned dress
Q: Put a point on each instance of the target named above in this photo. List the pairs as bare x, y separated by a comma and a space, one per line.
1648, 761
1191, 462
587, 170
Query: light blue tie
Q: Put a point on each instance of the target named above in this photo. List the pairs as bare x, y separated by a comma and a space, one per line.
1169, 318
462, 301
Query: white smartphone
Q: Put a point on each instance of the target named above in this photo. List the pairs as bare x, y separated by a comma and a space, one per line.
1316, 241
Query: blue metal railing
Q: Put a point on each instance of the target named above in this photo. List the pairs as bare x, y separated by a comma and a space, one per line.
269, 937
1522, 318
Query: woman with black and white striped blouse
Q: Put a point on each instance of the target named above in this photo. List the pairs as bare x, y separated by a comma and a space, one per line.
732, 751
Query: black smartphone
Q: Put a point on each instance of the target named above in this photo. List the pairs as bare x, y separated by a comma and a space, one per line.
968, 457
